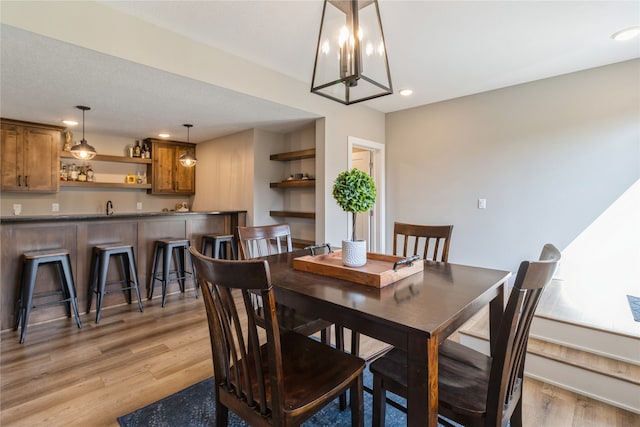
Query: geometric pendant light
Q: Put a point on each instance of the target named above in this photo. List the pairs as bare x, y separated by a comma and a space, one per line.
83, 150
351, 62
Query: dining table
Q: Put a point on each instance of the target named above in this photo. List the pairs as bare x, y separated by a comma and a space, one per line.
415, 313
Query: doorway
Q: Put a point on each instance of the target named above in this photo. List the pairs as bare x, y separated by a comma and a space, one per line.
368, 156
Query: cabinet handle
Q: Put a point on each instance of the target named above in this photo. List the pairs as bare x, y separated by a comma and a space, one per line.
26, 180
19, 180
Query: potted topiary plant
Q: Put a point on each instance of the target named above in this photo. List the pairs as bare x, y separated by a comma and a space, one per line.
355, 192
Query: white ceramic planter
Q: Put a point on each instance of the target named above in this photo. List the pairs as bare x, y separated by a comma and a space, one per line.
354, 253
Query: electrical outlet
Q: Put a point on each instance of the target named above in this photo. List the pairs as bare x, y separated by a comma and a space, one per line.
139, 206
55, 207
17, 209
482, 203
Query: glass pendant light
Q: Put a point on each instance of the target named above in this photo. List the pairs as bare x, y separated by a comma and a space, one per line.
188, 160
351, 58
83, 150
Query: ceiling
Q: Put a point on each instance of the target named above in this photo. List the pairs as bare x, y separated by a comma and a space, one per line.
441, 50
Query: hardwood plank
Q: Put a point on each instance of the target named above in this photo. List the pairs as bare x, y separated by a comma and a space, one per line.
63, 376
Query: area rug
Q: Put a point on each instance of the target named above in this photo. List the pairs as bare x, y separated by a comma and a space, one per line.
634, 303
194, 407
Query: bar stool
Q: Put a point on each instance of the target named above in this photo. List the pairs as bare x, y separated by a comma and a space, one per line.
219, 244
165, 249
98, 274
26, 294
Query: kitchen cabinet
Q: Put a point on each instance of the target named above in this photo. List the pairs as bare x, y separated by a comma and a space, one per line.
30, 156
168, 175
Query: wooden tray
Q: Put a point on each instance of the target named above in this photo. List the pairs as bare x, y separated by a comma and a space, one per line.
377, 272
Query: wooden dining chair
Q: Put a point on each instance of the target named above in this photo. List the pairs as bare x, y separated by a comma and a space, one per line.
268, 377
415, 240
475, 389
258, 241
428, 241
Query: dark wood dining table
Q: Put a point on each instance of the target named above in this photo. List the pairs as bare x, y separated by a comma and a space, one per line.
415, 313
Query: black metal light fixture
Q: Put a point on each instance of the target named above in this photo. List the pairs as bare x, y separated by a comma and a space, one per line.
83, 150
188, 160
351, 58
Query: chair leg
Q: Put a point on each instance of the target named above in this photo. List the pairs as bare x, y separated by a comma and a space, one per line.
165, 273
379, 402
93, 277
71, 288
20, 299
178, 259
126, 273
134, 273
193, 272
154, 267
103, 267
63, 288
222, 413
357, 404
516, 417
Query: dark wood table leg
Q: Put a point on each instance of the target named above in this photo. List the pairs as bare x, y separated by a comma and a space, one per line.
422, 374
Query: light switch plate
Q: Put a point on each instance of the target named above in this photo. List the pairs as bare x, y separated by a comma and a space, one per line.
55, 207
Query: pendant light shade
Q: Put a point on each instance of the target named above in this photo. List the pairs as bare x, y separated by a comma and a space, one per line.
351, 58
83, 150
188, 160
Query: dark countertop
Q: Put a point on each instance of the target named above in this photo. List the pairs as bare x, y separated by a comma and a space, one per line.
85, 217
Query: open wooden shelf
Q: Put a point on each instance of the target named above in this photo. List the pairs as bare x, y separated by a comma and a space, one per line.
94, 184
293, 214
108, 158
294, 155
294, 183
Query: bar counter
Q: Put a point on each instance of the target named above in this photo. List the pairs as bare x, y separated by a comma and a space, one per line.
80, 233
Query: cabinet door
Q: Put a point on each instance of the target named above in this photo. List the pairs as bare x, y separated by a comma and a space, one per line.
164, 161
11, 152
41, 157
185, 177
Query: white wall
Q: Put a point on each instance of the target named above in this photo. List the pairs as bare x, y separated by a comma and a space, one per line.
549, 156
225, 174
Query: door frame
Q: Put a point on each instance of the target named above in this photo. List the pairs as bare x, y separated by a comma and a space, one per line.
379, 209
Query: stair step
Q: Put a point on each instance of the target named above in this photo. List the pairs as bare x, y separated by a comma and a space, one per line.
478, 327
593, 374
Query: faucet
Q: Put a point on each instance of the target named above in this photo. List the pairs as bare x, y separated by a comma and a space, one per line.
109, 208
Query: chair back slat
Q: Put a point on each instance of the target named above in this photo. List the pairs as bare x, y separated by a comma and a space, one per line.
507, 367
428, 241
264, 240
239, 358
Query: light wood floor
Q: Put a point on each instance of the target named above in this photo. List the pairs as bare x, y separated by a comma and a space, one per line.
63, 376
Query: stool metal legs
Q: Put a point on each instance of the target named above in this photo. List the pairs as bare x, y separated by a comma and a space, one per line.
163, 252
99, 269
26, 294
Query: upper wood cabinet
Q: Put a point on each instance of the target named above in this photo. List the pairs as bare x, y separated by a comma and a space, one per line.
30, 156
169, 176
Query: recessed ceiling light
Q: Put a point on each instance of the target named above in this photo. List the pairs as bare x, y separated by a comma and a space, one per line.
70, 122
164, 135
406, 92
626, 34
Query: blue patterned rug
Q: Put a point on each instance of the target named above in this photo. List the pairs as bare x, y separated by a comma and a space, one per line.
194, 407
634, 303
